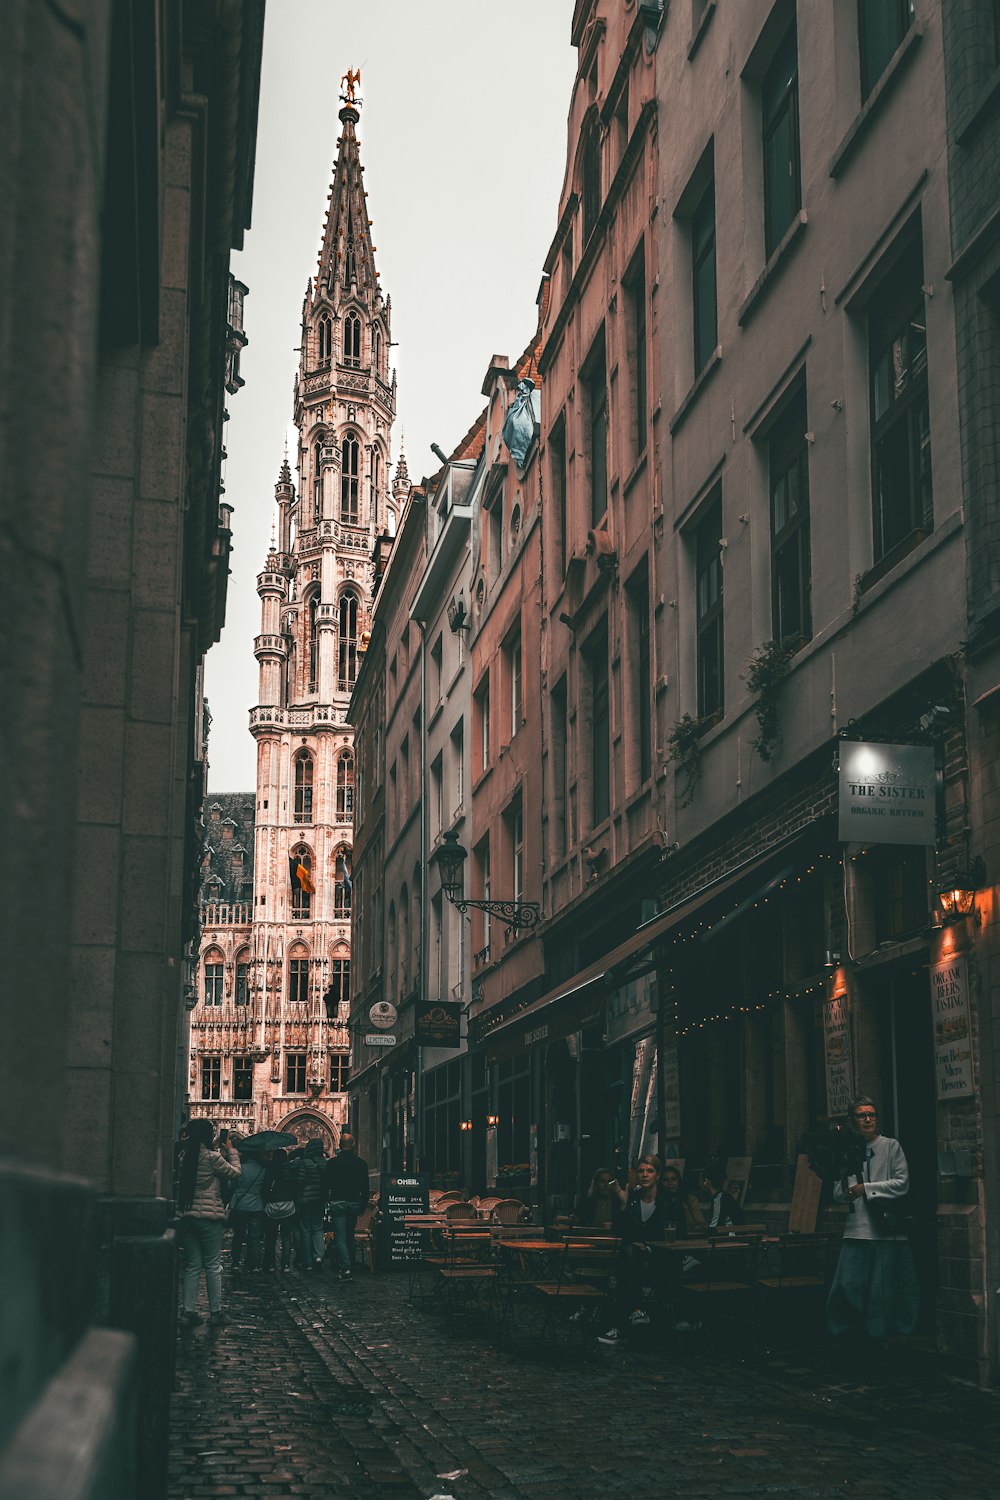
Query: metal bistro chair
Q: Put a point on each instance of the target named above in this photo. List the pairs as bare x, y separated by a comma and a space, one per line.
724, 1292
364, 1234
584, 1272
507, 1211
466, 1273
790, 1296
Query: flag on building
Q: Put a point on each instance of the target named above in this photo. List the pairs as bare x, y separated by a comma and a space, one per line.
299, 875
343, 873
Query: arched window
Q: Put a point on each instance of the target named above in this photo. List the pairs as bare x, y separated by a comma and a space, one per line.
338, 995
342, 884
376, 480
214, 973
301, 899
350, 460
243, 977
313, 641
345, 787
352, 340
298, 974
348, 643
350, 260
290, 675
325, 340
317, 482
591, 178
303, 787
377, 350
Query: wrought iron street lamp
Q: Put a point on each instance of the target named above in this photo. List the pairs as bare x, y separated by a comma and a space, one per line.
450, 857
958, 898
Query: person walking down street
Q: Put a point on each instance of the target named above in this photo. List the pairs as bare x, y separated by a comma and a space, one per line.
346, 1179
874, 1289
279, 1212
308, 1193
246, 1213
647, 1213
203, 1217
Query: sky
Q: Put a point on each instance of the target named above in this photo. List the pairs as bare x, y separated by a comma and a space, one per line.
463, 141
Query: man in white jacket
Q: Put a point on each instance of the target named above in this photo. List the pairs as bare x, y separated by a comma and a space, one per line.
875, 1287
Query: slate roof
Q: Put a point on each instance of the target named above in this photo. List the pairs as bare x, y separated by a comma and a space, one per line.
227, 847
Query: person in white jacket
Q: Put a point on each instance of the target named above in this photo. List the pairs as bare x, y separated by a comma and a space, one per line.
203, 1216
874, 1288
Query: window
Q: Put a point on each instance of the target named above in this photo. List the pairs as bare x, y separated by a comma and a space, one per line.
350, 259
515, 823
485, 873
458, 764
600, 725
339, 992
595, 380
377, 350
350, 458
301, 899
560, 767
515, 667
437, 796
900, 418
642, 682
317, 483
375, 481
494, 513
788, 462
780, 126
295, 1073
214, 970
352, 340
242, 980
211, 1077
312, 613
348, 643
482, 707
591, 178
340, 1067
342, 886
557, 452
708, 611
703, 278
325, 340
298, 980
882, 24
442, 1112
345, 787
437, 660
303, 788
242, 1077
635, 307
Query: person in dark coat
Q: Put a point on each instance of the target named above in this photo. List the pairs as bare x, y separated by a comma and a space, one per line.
646, 1213
345, 1177
279, 1212
308, 1193
599, 1204
723, 1208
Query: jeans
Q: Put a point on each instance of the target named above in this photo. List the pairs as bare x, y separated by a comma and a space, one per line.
247, 1229
344, 1216
201, 1240
309, 1233
272, 1229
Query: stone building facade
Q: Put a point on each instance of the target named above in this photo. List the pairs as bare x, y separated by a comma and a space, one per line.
269, 1037
126, 157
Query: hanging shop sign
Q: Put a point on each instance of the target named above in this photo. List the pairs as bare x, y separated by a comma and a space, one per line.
631, 1009
952, 1042
837, 1053
671, 1094
438, 1023
383, 1015
888, 794
379, 1039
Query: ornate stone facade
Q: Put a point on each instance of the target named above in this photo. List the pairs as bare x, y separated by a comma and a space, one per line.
269, 1042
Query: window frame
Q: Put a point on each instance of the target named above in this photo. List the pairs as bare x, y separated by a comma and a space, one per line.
296, 1064
873, 63
703, 254
710, 619
787, 451
211, 1078
775, 109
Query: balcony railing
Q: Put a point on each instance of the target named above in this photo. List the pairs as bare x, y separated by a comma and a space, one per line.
225, 914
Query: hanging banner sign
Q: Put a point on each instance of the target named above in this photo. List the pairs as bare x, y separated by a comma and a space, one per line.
671, 1094
888, 794
837, 1052
379, 1039
438, 1023
952, 1042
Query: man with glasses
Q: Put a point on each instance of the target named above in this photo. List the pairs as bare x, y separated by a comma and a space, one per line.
874, 1289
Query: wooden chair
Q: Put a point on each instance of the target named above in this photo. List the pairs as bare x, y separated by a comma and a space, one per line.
507, 1211
364, 1234
458, 1210
453, 1195
797, 1277
724, 1291
584, 1271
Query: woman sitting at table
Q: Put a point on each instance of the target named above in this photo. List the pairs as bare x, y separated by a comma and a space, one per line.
648, 1214
723, 1209
599, 1204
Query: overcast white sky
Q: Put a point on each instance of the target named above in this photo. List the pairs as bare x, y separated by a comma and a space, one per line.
463, 139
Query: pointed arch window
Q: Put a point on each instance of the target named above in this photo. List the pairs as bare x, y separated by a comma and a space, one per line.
317, 481
377, 350
313, 642
301, 899
350, 463
375, 479
352, 340
345, 786
325, 340
591, 178
350, 260
348, 642
243, 976
214, 974
342, 884
303, 787
298, 975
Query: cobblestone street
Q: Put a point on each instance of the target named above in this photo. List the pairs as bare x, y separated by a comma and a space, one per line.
319, 1389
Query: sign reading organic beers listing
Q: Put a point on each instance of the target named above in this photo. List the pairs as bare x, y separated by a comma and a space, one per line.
952, 1042
888, 794
837, 1052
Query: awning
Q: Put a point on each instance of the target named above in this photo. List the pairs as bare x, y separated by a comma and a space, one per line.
760, 893
565, 1009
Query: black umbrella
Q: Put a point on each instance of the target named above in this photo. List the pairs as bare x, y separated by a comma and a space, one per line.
267, 1140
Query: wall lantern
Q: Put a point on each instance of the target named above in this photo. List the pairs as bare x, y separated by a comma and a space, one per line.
493, 1121
958, 898
450, 857
465, 1124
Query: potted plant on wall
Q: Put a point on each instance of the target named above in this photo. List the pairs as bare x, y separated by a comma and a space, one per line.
766, 675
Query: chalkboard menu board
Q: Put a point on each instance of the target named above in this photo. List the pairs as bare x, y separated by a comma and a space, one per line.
401, 1197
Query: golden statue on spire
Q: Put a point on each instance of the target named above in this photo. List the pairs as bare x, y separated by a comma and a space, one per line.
349, 83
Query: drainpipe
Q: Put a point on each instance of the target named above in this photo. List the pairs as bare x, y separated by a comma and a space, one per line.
418, 1080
